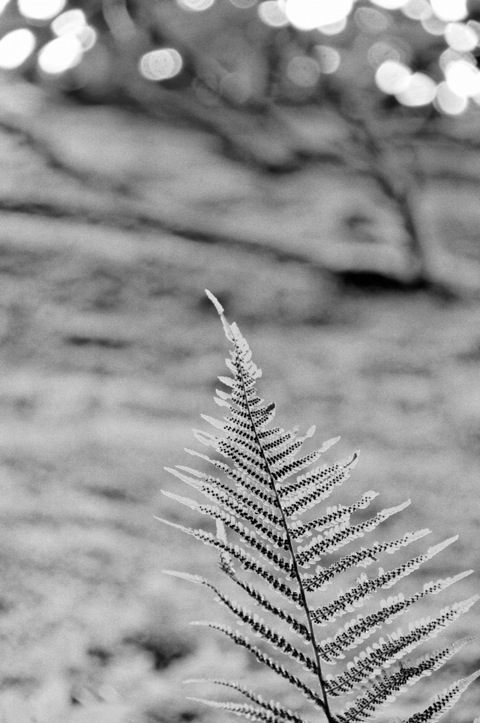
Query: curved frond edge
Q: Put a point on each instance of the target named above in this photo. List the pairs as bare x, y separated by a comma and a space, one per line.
445, 700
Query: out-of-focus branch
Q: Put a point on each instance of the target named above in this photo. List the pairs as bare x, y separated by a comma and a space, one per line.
235, 124
142, 221
56, 162
403, 186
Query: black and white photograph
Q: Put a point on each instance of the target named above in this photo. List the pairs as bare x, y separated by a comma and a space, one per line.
239, 361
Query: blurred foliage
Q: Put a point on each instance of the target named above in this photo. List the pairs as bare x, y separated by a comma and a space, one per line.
249, 55
394, 76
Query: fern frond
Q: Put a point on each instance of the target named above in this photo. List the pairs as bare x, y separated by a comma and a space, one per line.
261, 629
247, 561
388, 686
266, 660
282, 714
333, 516
229, 518
244, 454
243, 710
362, 627
358, 594
233, 501
269, 484
260, 599
385, 653
244, 532
280, 474
279, 453
259, 490
340, 535
315, 487
442, 703
361, 558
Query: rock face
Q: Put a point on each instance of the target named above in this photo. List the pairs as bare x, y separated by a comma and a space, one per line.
111, 227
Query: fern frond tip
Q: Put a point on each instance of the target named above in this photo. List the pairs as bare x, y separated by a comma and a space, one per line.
444, 700
435, 549
175, 525
182, 500
231, 330
329, 443
184, 576
215, 302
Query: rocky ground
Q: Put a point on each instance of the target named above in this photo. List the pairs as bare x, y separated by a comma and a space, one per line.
109, 353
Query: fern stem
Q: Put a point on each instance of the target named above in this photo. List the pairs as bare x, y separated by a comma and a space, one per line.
296, 569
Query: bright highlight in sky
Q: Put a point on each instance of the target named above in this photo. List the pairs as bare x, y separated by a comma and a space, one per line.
334, 28
390, 4
161, 64
449, 10
463, 78
418, 10
329, 58
40, 9
69, 22
60, 54
74, 23
421, 90
272, 14
410, 89
15, 47
196, 5
393, 77
461, 37
311, 14
449, 102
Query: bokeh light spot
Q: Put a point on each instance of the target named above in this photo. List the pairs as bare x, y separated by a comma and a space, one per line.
434, 26
40, 9
272, 14
60, 55
393, 77
69, 22
74, 22
449, 10
88, 37
371, 20
196, 5
334, 28
161, 64
463, 78
329, 58
417, 10
449, 56
449, 102
421, 90
461, 37
15, 47
390, 4
380, 52
311, 14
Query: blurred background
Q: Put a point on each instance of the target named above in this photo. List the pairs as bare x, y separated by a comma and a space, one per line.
316, 164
